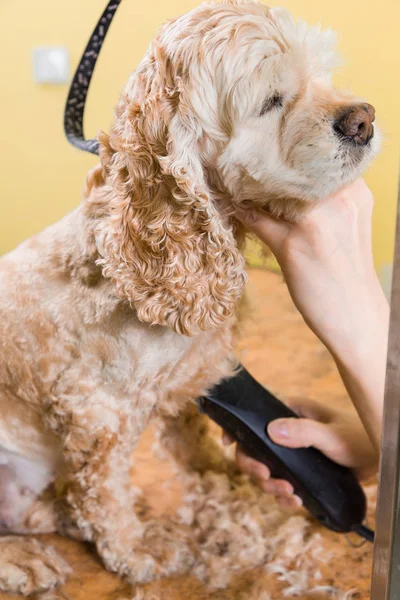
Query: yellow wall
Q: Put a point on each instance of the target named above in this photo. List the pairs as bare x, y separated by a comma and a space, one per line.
41, 175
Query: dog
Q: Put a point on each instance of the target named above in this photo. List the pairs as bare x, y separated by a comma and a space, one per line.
126, 310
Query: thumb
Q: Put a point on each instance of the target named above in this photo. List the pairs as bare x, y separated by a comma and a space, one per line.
269, 230
300, 433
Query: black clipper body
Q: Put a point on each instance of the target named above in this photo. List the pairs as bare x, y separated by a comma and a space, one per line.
244, 408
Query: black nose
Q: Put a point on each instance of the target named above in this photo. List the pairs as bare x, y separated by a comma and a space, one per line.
355, 123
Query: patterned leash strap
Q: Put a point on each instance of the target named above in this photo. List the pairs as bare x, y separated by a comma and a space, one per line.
75, 105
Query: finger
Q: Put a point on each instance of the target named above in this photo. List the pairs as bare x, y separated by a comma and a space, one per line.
360, 192
363, 474
270, 231
311, 409
356, 194
300, 433
291, 503
251, 467
277, 487
226, 439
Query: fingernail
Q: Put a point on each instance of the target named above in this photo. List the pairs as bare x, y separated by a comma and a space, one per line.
278, 429
298, 501
264, 473
287, 489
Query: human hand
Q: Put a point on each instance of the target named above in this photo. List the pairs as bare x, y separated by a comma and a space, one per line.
326, 260
338, 434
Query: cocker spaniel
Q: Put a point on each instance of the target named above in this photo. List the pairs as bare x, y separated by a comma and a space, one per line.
125, 310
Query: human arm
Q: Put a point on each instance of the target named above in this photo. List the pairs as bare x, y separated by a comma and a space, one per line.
326, 259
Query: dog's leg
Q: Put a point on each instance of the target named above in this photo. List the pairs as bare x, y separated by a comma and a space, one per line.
26, 565
187, 438
98, 440
29, 566
224, 510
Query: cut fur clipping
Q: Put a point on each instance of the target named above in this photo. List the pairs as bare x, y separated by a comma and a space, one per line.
143, 595
240, 534
237, 529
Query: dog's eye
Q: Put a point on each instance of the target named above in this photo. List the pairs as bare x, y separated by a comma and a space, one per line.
275, 101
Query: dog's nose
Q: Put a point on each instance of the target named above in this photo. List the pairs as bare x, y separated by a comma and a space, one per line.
356, 123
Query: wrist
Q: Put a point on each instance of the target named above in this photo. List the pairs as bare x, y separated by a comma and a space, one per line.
362, 365
361, 329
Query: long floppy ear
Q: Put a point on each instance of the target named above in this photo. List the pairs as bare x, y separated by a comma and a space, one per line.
164, 243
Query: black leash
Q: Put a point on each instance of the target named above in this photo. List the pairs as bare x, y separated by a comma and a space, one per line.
75, 106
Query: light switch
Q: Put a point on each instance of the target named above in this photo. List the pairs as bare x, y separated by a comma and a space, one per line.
50, 64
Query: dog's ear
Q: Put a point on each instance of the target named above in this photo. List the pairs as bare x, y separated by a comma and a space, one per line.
164, 243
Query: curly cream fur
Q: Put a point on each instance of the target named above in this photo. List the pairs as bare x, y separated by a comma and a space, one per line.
165, 243
127, 308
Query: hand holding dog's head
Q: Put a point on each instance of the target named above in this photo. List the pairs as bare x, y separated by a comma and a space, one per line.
232, 104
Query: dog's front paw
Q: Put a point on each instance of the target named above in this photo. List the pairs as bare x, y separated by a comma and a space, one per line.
29, 566
164, 548
121, 555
